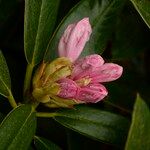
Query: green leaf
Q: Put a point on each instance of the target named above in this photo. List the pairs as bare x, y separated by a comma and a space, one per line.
97, 124
143, 8
5, 83
139, 134
18, 128
44, 144
102, 14
40, 17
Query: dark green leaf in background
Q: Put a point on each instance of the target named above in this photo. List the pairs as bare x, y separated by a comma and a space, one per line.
79, 142
139, 134
31, 20
143, 8
97, 124
131, 36
40, 17
5, 83
18, 129
102, 14
44, 144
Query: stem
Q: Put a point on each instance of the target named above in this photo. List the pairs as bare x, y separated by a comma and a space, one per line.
46, 115
12, 100
118, 107
28, 76
35, 105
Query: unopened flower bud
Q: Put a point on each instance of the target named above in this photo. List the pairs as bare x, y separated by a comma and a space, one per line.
92, 93
85, 66
56, 65
43, 94
74, 39
106, 73
68, 88
46, 77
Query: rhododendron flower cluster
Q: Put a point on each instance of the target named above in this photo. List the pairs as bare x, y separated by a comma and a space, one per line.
70, 80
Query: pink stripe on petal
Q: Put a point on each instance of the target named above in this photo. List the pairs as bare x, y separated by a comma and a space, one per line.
92, 93
68, 88
64, 39
107, 72
87, 65
74, 39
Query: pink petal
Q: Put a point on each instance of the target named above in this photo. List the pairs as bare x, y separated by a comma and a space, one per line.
107, 72
92, 93
74, 39
68, 88
85, 66
64, 40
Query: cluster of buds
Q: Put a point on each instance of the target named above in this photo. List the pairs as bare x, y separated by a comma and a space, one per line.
67, 80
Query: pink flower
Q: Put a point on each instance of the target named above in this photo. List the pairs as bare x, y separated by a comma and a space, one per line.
84, 83
106, 73
85, 66
74, 39
92, 93
93, 69
68, 88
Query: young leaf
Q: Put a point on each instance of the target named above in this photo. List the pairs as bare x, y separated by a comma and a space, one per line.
5, 83
139, 133
44, 144
40, 17
97, 124
102, 16
143, 8
18, 128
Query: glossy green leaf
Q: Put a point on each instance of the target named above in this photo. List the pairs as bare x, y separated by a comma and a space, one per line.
40, 17
102, 14
5, 83
97, 124
139, 134
18, 129
44, 144
143, 8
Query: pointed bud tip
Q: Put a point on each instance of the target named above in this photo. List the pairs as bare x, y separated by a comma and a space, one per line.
74, 38
92, 93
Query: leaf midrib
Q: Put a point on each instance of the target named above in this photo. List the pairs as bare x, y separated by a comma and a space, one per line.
42, 142
32, 60
20, 129
8, 90
89, 121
